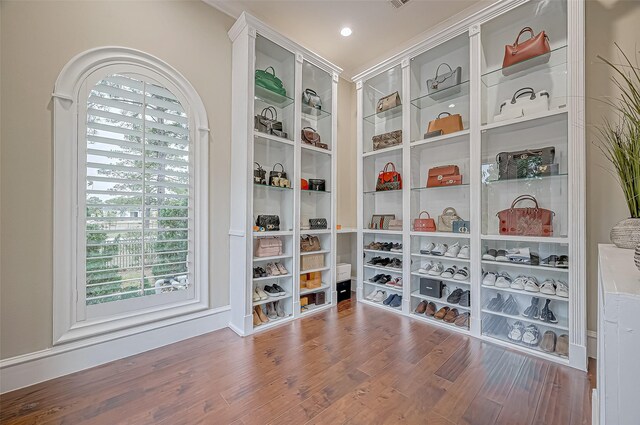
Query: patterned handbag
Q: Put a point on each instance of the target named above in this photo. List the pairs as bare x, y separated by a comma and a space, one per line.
317, 223
259, 175
529, 221
524, 164
268, 223
389, 178
381, 221
446, 219
386, 140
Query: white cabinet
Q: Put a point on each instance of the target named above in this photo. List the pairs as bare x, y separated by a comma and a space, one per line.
476, 85
617, 391
288, 71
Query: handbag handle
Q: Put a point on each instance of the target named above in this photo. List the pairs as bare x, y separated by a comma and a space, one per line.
523, 92
317, 136
270, 68
524, 198
259, 166
272, 111
313, 92
274, 166
384, 170
423, 212
440, 114
438, 70
449, 211
522, 31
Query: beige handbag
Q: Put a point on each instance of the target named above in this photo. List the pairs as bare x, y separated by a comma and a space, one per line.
386, 140
446, 219
388, 102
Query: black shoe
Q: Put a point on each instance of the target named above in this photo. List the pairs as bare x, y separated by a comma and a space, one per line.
465, 299
546, 315
533, 311
271, 291
279, 288
389, 299
454, 297
496, 303
511, 306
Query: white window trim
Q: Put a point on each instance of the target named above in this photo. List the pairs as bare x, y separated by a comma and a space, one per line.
66, 104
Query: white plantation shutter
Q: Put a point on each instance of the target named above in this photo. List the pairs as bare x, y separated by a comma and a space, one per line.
138, 224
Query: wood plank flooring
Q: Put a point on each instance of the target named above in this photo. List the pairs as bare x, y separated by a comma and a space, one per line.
354, 364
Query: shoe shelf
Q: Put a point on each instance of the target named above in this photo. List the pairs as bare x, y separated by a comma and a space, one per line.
523, 292
313, 308
474, 53
384, 269
441, 235
272, 323
272, 299
375, 251
323, 251
443, 301
321, 288
381, 286
264, 259
503, 341
444, 279
560, 325
526, 266
440, 257
438, 322
381, 305
281, 276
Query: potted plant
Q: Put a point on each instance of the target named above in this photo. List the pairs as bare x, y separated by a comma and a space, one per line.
620, 143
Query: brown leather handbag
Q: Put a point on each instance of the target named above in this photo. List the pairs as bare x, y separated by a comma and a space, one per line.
424, 224
309, 243
311, 137
445, 175
444, 125
388, 102
537, 45
528, 221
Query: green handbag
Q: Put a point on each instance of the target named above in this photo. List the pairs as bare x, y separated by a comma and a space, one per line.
268, 80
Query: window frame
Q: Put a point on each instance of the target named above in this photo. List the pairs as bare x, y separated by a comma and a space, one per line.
70, 319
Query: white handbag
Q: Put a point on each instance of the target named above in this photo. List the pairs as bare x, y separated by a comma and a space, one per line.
524, 102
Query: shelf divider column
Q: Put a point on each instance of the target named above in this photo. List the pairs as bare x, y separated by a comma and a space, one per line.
406, 192
359, 191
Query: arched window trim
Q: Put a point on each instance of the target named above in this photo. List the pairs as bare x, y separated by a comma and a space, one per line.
67, 313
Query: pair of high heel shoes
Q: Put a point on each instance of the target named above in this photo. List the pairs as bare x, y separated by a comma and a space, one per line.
274, 310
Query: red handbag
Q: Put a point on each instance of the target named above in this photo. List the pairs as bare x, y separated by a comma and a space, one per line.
446, 175
389, 178
517, 52
526, 221
424, 224
304, 184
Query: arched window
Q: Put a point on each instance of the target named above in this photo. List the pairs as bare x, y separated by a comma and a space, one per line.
130, 152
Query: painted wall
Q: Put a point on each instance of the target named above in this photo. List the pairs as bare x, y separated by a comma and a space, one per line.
607, 21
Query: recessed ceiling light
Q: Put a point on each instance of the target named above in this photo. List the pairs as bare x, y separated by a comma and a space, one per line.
345, 32
452, 106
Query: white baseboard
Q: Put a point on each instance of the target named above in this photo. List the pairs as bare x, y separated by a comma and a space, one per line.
32, 368
592, 344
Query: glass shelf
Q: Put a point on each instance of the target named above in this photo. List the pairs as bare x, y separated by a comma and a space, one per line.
442, 96
266, 186
314, 191
419, 189
388, 114
378, 192
493, 181
271, 98
557, 64
314, 114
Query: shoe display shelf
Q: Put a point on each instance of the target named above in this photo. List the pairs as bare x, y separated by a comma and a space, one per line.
257, 47
483, 138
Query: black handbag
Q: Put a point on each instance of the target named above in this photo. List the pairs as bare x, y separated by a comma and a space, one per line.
317, 184
268, 223
276, 174
318, 223
431, 287
259, 175
524, 164
269, 124
311, 99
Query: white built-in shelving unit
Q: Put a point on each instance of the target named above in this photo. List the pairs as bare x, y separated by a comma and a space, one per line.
477, 45
257, 47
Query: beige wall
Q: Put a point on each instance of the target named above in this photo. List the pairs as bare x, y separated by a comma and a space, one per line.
38, 38
607, 21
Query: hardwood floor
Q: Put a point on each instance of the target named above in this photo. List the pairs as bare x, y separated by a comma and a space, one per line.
355, 364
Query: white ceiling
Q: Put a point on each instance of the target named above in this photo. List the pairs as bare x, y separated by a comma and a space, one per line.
378, 28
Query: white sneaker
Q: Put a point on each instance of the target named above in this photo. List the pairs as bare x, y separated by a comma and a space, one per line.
532, 285
489, 279
462, 274
464, 252
436, 270
562, 289
503, 280
440, 249
518, 283
256, 296
372, 294
548, 287
262, 293
427, 249
453, 250
379, 297
448, 274
425, 269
